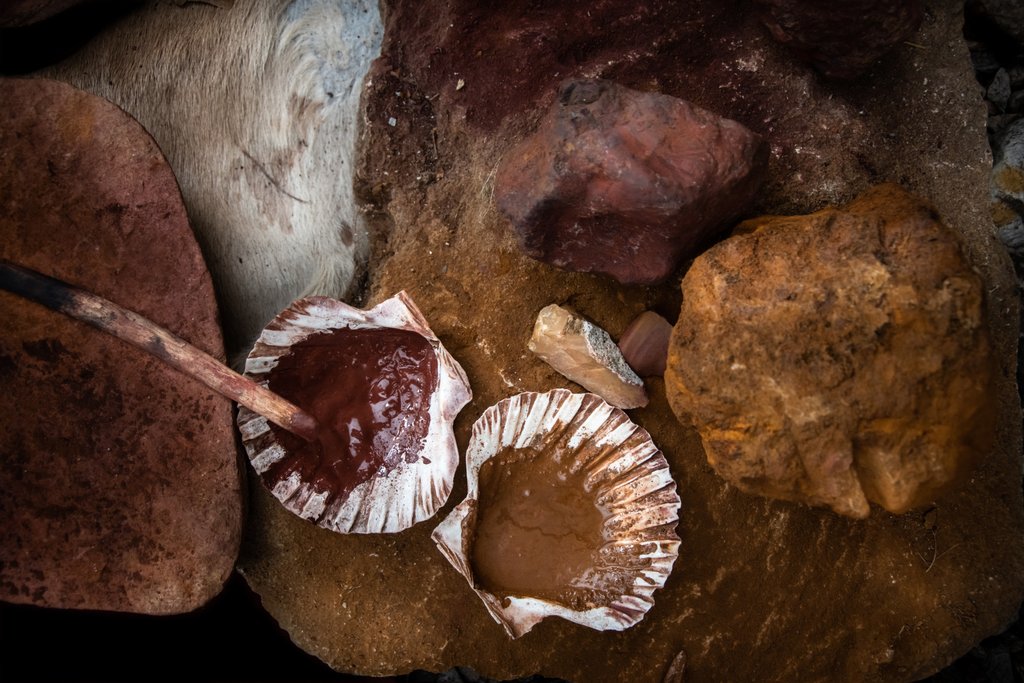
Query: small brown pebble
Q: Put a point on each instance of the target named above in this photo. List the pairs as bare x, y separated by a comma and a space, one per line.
644, 344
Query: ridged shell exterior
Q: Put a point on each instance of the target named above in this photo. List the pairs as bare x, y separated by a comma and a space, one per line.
409, 493
631, 483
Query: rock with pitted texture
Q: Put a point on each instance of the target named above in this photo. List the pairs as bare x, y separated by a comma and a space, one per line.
841, 39
120, 483
837, 358
626, 183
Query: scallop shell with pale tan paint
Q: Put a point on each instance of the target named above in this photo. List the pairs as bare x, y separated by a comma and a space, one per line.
385, 393
583, 441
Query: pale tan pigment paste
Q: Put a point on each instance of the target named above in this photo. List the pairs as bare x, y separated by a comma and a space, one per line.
538, 529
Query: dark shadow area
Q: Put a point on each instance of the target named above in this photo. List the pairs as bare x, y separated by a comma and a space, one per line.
230, 639
27, 48
999, 659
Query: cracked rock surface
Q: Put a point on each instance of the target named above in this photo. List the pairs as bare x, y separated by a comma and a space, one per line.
837, 358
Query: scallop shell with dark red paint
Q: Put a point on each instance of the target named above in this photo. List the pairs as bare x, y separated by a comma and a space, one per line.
629, 480
405, 483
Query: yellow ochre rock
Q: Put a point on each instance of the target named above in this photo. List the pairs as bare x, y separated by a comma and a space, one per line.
837, 358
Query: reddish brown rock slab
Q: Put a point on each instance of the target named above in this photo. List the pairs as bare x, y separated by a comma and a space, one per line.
762, 590
841, 39
120, 479
626, 183
837, 358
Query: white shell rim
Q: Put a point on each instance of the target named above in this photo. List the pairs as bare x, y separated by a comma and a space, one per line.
518, 421
411, 492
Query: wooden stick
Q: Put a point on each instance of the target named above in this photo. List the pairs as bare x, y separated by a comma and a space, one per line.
153, 339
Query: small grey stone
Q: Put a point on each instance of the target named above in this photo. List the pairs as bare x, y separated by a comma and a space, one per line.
1016, 74
983, 61
999, 91
1011, 145
1004, 209
998, 126
1016, 102
1008, 172
1012, 237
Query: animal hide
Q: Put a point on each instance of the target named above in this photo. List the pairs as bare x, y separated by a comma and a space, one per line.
257, 109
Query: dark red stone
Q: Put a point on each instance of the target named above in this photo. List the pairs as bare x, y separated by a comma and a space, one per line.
627, 183
841, 39
119, 480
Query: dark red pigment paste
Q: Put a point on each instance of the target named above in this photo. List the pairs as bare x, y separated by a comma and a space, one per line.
370, 393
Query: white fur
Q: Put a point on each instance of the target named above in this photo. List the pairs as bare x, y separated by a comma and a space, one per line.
257, 109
